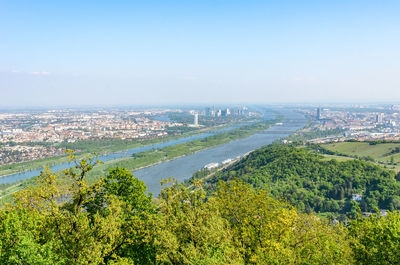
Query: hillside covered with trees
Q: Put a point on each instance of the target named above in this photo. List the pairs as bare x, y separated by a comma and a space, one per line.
314, 184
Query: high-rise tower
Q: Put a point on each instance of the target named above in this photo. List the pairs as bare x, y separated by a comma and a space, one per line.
318, 114
196, 119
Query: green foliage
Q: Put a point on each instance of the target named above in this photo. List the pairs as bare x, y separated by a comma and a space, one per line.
377, 151
315, 133
146, 158
313, 184
270, 231
63, 219
19, 239
59, 220
376, 240
192, 230
121, 183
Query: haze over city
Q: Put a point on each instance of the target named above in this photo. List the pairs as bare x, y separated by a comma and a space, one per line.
173, 52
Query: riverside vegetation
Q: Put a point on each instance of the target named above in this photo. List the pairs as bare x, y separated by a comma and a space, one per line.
148, 158
104, 146
99, 146
64, 219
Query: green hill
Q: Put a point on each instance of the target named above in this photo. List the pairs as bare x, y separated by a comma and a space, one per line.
314, 184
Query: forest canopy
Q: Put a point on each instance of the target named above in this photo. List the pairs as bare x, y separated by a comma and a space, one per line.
314, 184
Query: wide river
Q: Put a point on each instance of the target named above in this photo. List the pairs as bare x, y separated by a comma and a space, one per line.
184, 167
126, 153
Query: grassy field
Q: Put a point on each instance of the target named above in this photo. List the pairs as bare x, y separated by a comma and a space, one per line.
338, 158
383, 154
379, 152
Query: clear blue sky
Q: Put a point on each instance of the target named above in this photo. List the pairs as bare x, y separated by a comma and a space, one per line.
141, 52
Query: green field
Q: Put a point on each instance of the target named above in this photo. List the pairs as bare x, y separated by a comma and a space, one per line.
337, 158
385, 154
382, 152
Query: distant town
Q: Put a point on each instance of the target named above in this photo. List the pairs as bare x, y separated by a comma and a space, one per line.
31, 135
361, 123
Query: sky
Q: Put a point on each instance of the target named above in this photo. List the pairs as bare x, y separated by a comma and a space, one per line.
61, 53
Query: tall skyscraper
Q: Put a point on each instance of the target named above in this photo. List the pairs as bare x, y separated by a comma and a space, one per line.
318, 114
196, 119
379, 118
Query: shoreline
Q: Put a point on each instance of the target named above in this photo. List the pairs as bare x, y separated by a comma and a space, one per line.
203, 130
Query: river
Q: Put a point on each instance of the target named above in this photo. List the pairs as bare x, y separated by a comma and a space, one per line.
126, 153
183, 168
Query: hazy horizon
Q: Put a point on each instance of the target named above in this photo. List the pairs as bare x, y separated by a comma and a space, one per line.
100, 53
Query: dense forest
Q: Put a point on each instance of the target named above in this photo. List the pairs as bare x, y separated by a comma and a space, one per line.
314, 184
64, 219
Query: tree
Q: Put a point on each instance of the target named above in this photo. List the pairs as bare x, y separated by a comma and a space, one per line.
20, 239
270, 231
78, 235
191, 229
63, 219
136, 241
376, 239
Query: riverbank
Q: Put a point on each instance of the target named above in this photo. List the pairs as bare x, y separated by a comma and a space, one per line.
153, 157
101, 147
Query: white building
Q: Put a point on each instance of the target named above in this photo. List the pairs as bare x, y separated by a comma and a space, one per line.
211, 165
196, 119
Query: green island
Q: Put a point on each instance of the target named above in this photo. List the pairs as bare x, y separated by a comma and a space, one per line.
98, 146
152, 157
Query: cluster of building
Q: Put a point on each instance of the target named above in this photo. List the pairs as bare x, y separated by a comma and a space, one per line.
222, 112
57, 126
361, 124
18, 153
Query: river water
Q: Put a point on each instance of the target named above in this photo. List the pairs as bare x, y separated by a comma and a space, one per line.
183, 168
112, 156
126, 153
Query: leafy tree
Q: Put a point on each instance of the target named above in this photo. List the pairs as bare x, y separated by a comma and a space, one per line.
136, 242
63, 219
270, 231
314, 184
79, 236
192, 230
376, 240
20, 241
